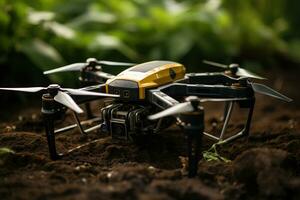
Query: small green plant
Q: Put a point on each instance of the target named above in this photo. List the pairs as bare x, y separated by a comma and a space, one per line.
212, 155
4, 151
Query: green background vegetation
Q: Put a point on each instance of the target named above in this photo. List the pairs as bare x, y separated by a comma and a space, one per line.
43, 34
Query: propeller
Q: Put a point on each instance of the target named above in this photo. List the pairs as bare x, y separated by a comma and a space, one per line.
189, 106
178, 108
61, 95
27, 89
259, 88
66, 100
235, 70
90, 62
265, 90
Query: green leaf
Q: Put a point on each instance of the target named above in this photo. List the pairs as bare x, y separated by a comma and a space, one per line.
294, 49
179, 44
60, 29
41, 54
213, 155
90, 17
110, 42
37, 17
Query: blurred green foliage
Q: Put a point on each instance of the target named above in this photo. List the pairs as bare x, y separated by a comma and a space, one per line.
43, 34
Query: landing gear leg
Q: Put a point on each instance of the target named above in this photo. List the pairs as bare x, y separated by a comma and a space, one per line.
89, 112
193, 124
194, 152
50, 112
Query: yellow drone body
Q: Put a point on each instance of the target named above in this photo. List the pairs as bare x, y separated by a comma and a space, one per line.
132, 83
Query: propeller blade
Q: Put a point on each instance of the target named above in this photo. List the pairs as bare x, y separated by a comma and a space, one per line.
215, 64
28, 89
178, 108
265, 90
88, 93
221, 99
67, 101
187, 107
246, 73
112, 63
71, 67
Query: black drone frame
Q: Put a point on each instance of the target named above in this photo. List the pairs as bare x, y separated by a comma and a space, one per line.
203, 85
209, 85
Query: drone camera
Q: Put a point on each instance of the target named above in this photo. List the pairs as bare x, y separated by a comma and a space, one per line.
118, 129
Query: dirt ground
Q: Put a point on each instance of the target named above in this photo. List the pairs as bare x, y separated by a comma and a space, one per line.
266, 165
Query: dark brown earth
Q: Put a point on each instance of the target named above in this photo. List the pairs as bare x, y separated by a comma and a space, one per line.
266, 165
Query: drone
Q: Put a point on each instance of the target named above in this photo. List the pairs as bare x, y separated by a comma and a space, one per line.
149, 97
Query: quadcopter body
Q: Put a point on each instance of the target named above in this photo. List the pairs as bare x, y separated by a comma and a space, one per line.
150, 97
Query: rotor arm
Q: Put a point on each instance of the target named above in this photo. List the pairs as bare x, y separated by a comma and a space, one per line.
95, 76
214, 78
161, 99
219, 91
210, 91
94, 88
